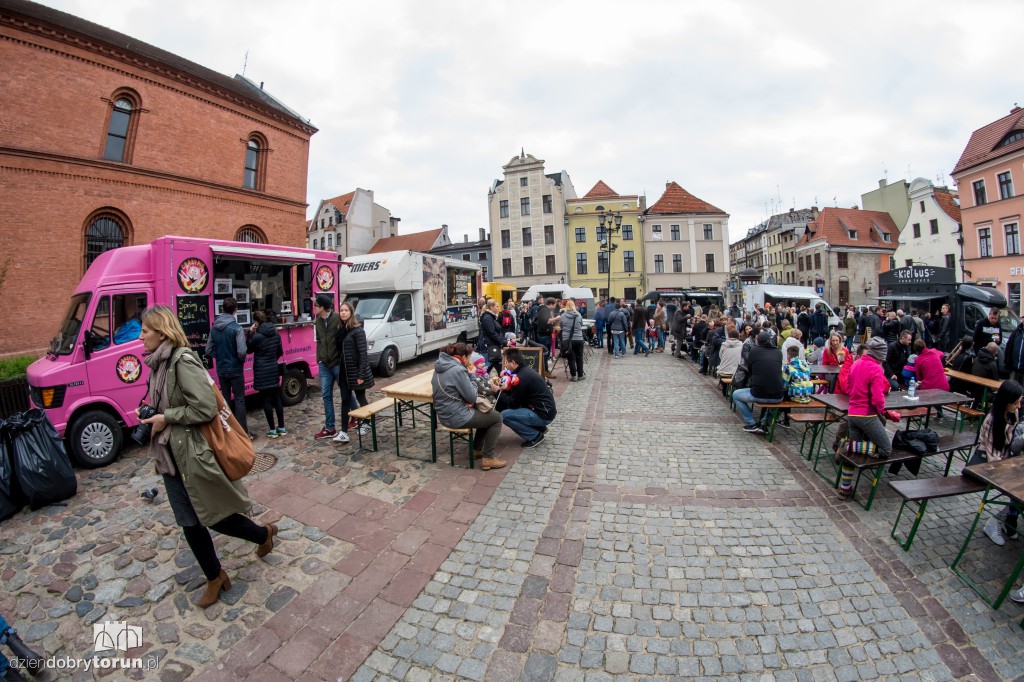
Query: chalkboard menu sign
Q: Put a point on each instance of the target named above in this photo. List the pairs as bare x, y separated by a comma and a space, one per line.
534, 357
194, 316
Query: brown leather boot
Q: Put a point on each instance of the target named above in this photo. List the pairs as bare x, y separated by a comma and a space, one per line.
488, 463
268, 545
213, 589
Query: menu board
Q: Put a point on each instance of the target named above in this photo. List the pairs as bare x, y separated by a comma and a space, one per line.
194, 316
534, 357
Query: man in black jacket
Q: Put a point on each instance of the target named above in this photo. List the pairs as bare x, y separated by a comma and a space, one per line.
639, 329
1015, 354
765, 384
526, 403
543, 323
896, 359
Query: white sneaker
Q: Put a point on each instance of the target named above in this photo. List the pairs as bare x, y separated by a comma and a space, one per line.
364, 429
1018, 596
994, 530
342, 437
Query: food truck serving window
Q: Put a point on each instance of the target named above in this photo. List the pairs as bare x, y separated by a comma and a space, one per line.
256, 285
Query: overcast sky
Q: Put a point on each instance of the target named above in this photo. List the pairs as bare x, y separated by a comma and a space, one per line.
753, 106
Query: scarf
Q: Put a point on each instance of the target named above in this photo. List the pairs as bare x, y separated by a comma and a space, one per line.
159, 445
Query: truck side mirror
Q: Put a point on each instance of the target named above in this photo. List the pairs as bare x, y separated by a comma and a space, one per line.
88, 342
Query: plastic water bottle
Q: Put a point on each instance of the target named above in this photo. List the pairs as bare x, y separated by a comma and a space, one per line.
912, 389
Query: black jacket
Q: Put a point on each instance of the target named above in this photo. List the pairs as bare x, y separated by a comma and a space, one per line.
490, 330
542, 322
891, 330
266, 348
986, 365
985, 333
354, 363
639, 317
765, 373
700, 328
715, 341
531, 392
1014, 353
895, 359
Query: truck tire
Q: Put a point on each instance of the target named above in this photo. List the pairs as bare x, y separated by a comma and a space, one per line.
388, 363
293, 387
94, 439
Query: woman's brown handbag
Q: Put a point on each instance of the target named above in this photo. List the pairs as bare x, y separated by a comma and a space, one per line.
231, 445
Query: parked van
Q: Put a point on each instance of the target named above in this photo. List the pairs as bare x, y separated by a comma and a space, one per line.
499, 291
411, 303
786, 294
93, 376
579, 295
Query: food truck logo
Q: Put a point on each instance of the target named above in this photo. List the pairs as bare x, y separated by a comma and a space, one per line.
366, 267
193, 275
324, 278
129, 368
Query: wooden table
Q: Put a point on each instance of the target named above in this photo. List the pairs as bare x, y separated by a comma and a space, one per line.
1005, 477
986, 384
826, 370
414, 395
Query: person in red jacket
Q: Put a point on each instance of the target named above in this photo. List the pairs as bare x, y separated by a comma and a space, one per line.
930, 370
867, 389
846, 364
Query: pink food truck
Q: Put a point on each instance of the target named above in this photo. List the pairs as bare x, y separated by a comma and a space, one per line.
93, 377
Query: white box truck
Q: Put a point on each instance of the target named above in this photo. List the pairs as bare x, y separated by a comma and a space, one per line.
786, 294
411, 303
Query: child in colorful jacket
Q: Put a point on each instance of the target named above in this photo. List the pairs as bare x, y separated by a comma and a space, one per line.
797, 376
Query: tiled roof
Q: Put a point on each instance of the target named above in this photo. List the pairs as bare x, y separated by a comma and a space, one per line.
835, 224
678, 200
947, 202
984, 142
600, 190
239, 86
342, 202
417, 241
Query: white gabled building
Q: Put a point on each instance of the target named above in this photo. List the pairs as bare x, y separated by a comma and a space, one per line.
350, 224
931, 232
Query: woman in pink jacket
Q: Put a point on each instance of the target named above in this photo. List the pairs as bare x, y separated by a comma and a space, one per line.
929, 365
867, 389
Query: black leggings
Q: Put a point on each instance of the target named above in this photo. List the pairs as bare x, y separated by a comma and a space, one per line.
346, 401
201, 544
575, 358
272, 403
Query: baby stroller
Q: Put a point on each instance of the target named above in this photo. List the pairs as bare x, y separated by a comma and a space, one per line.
590, 337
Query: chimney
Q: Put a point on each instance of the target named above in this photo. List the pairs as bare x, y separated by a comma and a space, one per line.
667, 183
482, 234
882, 183
465, 239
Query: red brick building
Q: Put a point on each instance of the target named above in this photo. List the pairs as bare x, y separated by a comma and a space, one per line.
106, 141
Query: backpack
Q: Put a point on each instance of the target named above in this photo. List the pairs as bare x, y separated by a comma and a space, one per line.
507, 321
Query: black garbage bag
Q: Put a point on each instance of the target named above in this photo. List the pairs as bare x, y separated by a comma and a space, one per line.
41, 465
11, 500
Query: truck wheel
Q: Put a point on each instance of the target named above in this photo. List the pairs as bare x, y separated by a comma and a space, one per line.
293, 387
388, 363
95, 439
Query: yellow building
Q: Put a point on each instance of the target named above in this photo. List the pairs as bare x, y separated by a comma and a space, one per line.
588, 243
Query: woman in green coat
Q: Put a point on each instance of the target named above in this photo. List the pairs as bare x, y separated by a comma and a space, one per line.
201, 496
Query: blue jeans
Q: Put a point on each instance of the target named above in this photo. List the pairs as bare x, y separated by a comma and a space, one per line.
599, 326
524, 421
328, 377
638, 338
619, 341
745, 400
661, 338
3, 640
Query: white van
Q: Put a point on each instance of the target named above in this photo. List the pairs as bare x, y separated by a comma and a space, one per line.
759, 294
563, 292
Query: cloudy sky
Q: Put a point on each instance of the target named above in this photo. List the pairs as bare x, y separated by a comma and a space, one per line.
754, 106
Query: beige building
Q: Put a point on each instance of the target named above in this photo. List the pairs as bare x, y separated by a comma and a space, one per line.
350, 224
686, 242
893, 199
527, 218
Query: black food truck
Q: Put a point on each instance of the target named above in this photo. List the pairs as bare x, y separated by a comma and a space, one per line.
927, 288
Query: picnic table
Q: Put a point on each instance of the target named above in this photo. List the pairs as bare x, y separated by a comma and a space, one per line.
1002, 478
825, 370
413, 396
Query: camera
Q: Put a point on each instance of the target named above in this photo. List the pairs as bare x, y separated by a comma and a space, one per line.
142, 432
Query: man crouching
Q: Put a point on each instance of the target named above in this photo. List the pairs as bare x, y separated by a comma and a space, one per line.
526, 403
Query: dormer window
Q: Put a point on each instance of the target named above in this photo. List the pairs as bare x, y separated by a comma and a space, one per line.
1015, 136
853, 234
886, 237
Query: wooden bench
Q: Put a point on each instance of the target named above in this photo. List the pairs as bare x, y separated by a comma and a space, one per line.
948, 446
370, 412
963, 413
913, 414
725, 381
815, 422
774, 409
458, 435
920, 491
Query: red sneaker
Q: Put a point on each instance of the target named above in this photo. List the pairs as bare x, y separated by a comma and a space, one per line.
352, 423
325, 433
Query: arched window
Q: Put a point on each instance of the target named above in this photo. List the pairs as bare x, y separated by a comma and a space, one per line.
250, 234
121, 125
104, 231
255, 163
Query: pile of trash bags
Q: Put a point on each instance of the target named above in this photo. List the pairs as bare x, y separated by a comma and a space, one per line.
34, 467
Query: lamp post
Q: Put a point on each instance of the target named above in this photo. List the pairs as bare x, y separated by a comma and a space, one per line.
610, 223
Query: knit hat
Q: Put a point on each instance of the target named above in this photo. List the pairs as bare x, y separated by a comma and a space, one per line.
324, 301
876, 348
912, 359
819, 342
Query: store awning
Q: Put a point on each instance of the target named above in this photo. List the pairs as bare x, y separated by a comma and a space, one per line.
256, 253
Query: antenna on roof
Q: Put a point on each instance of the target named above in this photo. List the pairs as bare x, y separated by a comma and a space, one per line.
939, 176
245, 62
834, 202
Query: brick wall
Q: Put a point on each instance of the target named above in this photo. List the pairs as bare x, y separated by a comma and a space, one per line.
185, 177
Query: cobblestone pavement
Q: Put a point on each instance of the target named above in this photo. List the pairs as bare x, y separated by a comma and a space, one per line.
648, 537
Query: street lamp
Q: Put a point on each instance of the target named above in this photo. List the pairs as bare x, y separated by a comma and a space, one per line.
610, 223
